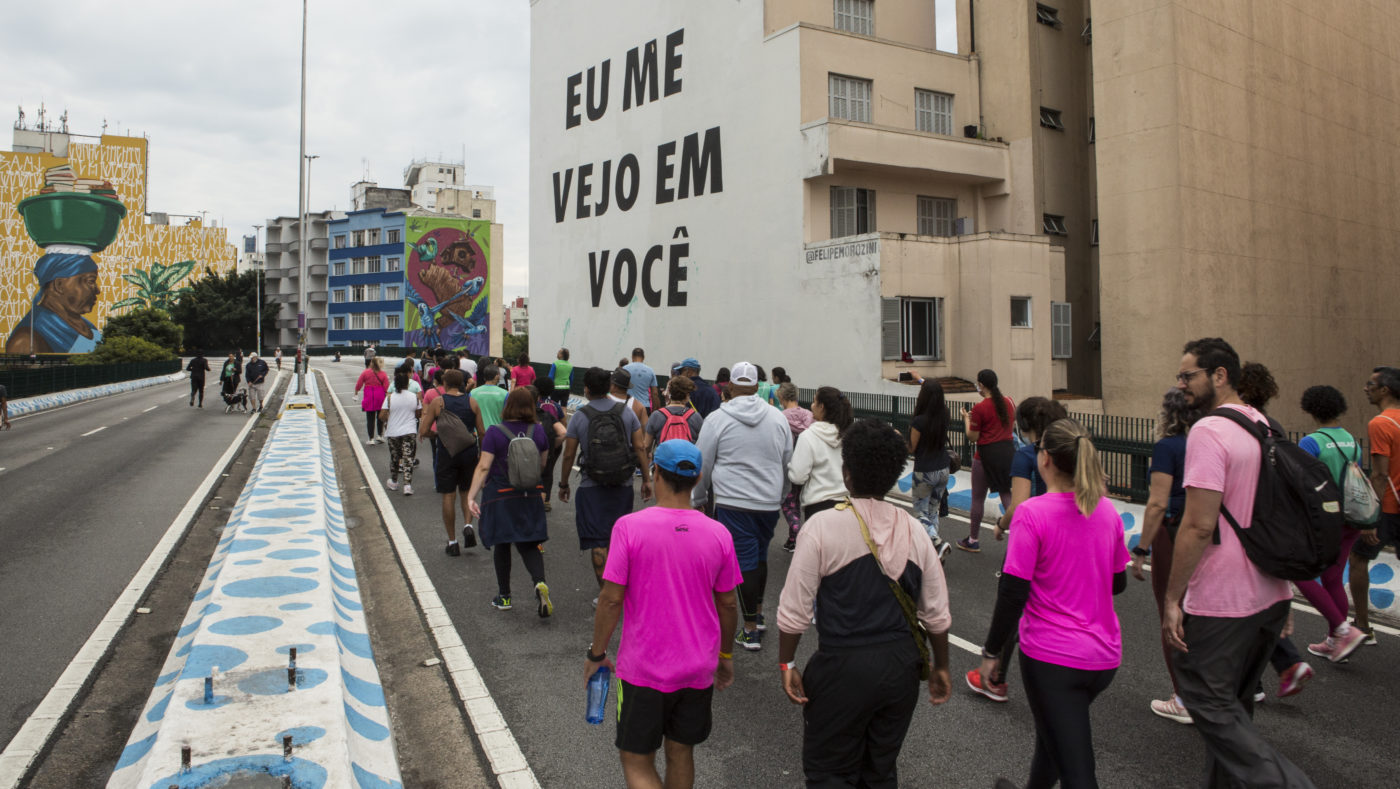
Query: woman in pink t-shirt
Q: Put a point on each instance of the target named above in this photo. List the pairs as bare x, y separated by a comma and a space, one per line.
1064, 563
375, 385
522, 372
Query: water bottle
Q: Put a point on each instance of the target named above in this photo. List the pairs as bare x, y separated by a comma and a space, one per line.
598, 695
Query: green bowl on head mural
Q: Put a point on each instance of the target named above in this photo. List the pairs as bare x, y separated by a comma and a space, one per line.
83, 220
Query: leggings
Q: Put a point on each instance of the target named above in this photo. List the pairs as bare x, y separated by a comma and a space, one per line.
1059, 698
530, 556
372, 424
979, 497
1330, 596
402, 451
197, 389
1162, 548
550, 462
755, 582
792, 510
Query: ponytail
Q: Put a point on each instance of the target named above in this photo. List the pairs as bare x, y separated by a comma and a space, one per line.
1072, 451
837, 407
988, 379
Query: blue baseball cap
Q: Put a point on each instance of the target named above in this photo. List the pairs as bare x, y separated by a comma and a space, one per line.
692, 363
679, 456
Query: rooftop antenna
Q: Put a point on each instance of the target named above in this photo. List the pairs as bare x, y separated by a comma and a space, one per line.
19, 124
64, 119
104, 126
41, 117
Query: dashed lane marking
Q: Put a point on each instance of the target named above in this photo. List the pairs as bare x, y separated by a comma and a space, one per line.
152, 408
90, 432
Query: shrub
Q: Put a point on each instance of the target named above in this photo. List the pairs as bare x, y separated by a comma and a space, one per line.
121, 350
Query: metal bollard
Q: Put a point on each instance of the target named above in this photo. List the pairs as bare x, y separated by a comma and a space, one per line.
184, 758
286, 747
292, 669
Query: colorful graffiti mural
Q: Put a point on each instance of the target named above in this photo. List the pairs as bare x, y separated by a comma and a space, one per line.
75, 246
447, 301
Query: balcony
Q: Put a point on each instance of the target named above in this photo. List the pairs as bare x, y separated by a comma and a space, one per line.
274, 247
317, 269
287, 323
317, 323
829, 145
320, 243
318, 296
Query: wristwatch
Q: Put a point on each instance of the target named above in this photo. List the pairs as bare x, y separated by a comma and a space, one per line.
1138, 550
596, 658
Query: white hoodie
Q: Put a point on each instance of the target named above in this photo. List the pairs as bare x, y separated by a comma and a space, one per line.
746, 444
816, 464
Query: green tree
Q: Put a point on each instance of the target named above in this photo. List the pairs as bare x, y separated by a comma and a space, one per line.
217, 311
512, 345
119, 350
147, 323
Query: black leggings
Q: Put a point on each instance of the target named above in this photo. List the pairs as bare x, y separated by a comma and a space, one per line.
530, 556
372, 423
197, 388
751, 592
1059, 698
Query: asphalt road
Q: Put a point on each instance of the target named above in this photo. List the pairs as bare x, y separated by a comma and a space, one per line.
534, 667
87, 492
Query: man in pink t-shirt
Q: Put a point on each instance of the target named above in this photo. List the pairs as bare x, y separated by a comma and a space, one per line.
671, 656
1222, 614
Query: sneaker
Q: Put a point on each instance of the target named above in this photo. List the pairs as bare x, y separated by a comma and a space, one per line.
1370, 639
453, 549
970, 545
994, 691
392, 484
468, 536
367, 443
943, 550
1172, 710
407, 489
546, 608
1344, 644
1259, 694
501, 602
760, 625
751, 640
1291, 681
790, 545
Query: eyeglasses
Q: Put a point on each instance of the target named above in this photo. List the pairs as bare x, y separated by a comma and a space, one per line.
1186, 377
1369, 385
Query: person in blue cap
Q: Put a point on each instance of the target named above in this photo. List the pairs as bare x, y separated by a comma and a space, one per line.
704, 398
68, 290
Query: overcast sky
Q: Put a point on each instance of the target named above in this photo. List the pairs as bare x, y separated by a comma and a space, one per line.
215, 85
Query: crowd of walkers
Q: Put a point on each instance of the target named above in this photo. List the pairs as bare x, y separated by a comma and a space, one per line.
727, 461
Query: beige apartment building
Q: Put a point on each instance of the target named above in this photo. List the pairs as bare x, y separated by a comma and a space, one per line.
948, 203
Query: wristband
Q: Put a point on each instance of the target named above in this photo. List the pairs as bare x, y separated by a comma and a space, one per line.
726, 656
1138, 550
787, 666
598, 658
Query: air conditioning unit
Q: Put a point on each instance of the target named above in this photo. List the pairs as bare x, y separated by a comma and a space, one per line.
962, 226
970, 131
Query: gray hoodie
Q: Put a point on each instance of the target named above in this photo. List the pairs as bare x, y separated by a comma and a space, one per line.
746, 446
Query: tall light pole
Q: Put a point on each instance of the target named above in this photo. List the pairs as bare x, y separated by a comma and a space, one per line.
257, 289
301, 221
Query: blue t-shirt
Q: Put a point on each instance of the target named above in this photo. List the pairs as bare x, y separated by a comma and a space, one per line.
643, 379
1023, 466
1169, 457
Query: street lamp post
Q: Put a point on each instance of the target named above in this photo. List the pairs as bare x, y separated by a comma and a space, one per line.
257, 289
301, 221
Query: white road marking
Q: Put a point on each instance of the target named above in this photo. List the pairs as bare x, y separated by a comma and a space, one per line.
90, 432
152, 408
84, 402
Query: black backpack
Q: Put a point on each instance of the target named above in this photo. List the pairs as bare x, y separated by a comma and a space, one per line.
609, 459
1296, 531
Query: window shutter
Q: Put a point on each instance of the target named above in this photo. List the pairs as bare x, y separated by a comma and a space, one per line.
890, 335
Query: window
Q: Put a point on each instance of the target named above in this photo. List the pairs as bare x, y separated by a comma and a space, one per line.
373, 236
936, 216
855, 16
912, 326
338, 268
372, 292
1053, 225
394, 237
1051, 119
340, 241
357, 238
1060, 324
1093, 232
394, 264
338, 296
357, 320
391, 321
1091, 130
476, 213
391, 292
373, 264
933, 112
1020, 312
338, 323
852, 211
371, 320
357, 292
849, 98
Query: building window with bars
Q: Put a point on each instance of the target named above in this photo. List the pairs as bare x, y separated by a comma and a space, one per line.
340, 241
373, 236
1020, 312
357, 292
391, 321
394, 237
338, 296
912, 326
395, 264
933, 111
373, 264
852, 211
936, 216
1053, 225
849, 98
1061, 339
338, 268
855, 16
338, 323
476, 213
391, 292
1051, 119
357, 238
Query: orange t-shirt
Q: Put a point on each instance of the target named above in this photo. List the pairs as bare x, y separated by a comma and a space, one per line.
1384, 431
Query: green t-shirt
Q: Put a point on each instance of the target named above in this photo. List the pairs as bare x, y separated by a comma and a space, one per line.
490, 399
1336, 447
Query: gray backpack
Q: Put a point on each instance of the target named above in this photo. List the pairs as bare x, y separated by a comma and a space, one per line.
522, 460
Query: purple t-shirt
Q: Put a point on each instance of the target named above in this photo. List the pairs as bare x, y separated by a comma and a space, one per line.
1070, 561
497, 443
672, 562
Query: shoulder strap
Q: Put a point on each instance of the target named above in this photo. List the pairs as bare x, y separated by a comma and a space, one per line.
906, 604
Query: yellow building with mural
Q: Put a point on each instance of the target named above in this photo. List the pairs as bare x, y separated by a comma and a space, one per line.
77, 242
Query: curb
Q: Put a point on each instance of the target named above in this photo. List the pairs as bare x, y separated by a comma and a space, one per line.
32, 405
229, 700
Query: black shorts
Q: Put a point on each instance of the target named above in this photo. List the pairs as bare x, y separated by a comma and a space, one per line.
1388, 529
596, 509
646, 715
452, 473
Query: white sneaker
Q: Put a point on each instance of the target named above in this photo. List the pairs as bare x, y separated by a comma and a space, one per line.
407, 489
1172, 710
391, 484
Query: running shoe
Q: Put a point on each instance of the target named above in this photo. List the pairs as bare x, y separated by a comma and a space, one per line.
1172, 710
546, 608
501, 602
790, 545
1336, 648
1259, 693
970, 545
751, 640
392, 484
407, 489
994, 691
1370, 639
1293, 678
453, 549
943, 549
468, 536
760, 625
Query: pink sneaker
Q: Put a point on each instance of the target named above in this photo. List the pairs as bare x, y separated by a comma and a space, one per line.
1346, 644
994, 691
1171, 710
1292, 680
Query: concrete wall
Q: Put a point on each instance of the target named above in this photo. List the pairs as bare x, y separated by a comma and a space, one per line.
1248, 169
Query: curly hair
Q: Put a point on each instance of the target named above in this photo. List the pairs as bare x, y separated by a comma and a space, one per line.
1034, 414
1256, 385
873, 454
1323, 403
1175, 416
678, 388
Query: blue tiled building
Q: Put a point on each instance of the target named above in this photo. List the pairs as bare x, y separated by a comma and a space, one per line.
366, 282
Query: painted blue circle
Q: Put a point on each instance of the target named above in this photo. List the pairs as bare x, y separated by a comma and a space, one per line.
206, 657
368, 780
239, 546
245, 625
265, 530
301, 540
134, 752
301, 649
369, 729
294, 606
158, 711
293, 553
301, 735
198, 704
304, 570
1128, 521
1381, 573
283, 513
246, 562
305, 774
273, 682
269, 586
1382, 598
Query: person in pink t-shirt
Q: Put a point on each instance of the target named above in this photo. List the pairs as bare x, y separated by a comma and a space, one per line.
1066, 560
522, 372
671, 657
1222, 614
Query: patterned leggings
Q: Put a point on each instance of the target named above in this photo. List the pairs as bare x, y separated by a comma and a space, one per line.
792, 511
402, 450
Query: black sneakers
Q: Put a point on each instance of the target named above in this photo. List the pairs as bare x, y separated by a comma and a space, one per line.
468, 536
453, 549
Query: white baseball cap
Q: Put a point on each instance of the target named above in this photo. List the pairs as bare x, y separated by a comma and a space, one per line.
743, 374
